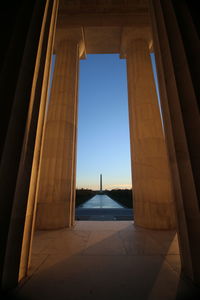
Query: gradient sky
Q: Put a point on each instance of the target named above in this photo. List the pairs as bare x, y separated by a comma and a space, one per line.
103, 129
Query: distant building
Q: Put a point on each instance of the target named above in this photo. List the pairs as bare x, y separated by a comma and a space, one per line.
101, 183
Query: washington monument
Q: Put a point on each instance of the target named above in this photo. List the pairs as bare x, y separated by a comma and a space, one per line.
101, 183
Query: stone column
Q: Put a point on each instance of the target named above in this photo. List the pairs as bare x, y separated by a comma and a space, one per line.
74, 172
22, 78
29, 228
152, 189
56, 184
177, 45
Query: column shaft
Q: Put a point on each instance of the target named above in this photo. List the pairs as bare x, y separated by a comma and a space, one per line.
29, 228
22, 92
153, 195
177, 74
56, 184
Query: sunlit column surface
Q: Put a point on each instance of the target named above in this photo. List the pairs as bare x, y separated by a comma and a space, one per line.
55, 193
153, 195
30, 213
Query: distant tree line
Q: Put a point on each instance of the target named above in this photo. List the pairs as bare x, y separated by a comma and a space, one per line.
123, 197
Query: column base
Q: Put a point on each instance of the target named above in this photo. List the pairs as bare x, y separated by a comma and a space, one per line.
53, 215
158, 216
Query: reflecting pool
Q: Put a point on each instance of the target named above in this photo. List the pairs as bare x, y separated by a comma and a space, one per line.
101, 201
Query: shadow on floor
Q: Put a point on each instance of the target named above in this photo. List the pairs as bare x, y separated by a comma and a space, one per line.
106, 260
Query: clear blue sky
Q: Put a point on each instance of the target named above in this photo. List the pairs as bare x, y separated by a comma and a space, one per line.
103, 129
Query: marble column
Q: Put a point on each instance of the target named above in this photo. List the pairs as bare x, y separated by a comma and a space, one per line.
23, 78
29, 228
177, 45
152, 189
56, 184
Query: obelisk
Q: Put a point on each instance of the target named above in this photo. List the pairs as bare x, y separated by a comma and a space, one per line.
101, 183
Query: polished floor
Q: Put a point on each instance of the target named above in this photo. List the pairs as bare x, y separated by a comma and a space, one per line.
105, 260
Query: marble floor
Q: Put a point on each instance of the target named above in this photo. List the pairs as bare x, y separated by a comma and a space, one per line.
105, 260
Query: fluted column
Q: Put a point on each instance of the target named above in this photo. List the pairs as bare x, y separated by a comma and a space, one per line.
177, 47
55, 191
26, 71
152, 189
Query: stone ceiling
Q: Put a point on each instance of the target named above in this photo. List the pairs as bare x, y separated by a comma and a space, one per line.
102, 6
101, 21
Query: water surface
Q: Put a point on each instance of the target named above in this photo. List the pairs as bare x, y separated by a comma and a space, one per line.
101, 201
